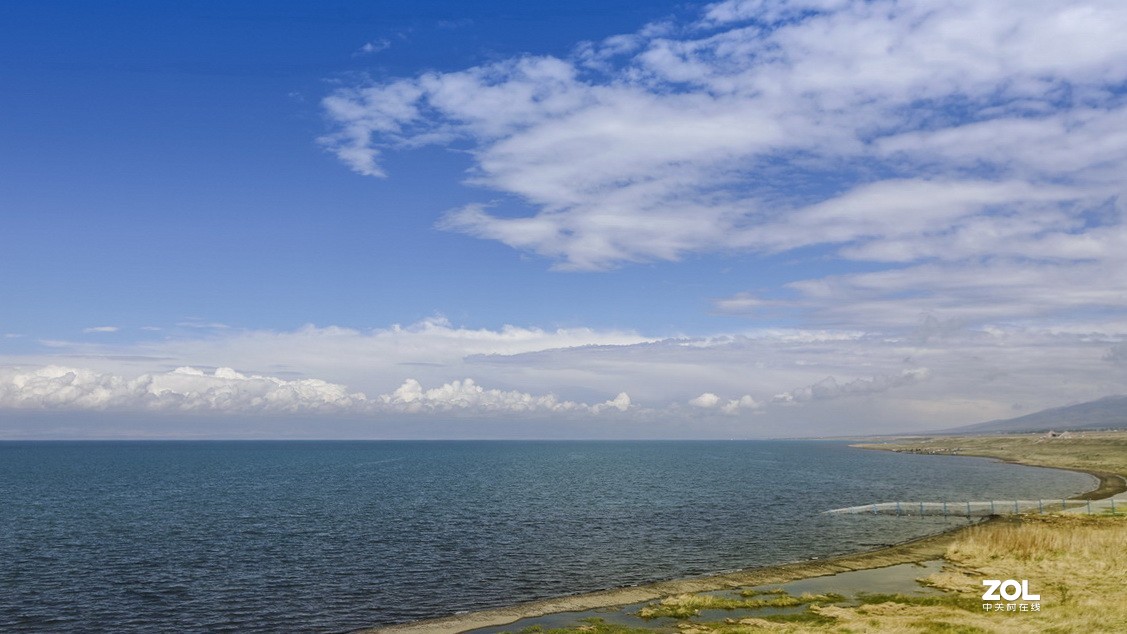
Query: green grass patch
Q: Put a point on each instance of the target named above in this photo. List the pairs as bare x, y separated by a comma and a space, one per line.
684, 606
806, 617
942, 627
591, 625
751, 592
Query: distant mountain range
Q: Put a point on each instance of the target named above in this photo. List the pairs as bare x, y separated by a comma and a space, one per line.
1106, 413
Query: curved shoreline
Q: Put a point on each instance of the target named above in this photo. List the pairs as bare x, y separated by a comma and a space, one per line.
919, 549
916, 550
1109, 483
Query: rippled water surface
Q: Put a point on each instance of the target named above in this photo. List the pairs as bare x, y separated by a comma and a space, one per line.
330, 536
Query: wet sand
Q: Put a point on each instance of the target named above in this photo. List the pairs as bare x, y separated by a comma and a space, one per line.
914, 551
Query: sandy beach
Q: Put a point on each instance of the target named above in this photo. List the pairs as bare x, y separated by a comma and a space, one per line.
1103, 455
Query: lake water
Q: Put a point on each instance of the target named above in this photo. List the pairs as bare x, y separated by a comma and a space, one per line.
332, 536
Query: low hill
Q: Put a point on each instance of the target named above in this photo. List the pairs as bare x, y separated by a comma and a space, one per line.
1106, 413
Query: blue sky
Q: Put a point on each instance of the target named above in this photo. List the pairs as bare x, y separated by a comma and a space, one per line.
175, 149
736, 219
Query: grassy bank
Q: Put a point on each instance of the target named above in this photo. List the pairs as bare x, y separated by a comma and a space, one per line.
1078, 565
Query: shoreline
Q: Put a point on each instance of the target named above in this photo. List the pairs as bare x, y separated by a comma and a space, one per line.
912, 551
1109, 484
928, 547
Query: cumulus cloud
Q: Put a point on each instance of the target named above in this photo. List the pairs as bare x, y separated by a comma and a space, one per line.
467, 395
183, 389
708, 400
742, 403
188, 389
621, 403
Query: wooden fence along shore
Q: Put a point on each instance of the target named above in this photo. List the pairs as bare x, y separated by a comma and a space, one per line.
987, 508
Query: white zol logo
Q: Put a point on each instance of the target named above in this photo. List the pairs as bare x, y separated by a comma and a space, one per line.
1008, 590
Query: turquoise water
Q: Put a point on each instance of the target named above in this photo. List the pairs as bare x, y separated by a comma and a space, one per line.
331, 536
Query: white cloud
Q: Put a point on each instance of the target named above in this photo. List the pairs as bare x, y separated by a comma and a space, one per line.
184, 389
997, 117
434, 350
375, 46
94, 329
224, 390
202, 325
830, 388
1002, 289
972, 151
706, 400
374, 361
695, 387
467, 395
621, 403
737, 405
767, 12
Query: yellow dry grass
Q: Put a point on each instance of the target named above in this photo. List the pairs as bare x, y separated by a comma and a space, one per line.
1077, 564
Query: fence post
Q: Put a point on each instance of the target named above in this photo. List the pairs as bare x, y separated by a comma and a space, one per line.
1015, 507
1041, 507
968, 509
1089, 507
992, 507
897, 508
921, 509
944, 508
1113, 506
